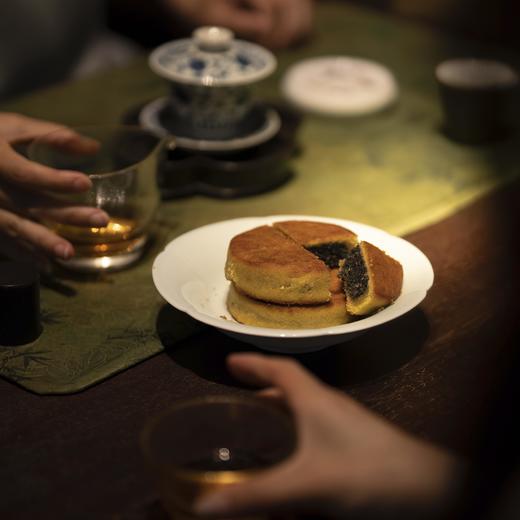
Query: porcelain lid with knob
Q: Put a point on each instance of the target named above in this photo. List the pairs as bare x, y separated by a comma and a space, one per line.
212, 58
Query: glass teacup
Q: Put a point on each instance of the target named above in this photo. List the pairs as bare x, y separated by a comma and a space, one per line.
200, 445
121, 162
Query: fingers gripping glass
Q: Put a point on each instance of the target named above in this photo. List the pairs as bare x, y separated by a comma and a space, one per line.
122, 163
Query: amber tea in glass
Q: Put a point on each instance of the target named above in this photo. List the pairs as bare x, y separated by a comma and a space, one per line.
203, 444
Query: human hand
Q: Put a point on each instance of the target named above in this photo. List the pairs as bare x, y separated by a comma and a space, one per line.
347, 460
26, 191
273, 23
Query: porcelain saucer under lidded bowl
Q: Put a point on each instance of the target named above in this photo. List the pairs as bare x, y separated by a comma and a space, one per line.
210, 76
261, 124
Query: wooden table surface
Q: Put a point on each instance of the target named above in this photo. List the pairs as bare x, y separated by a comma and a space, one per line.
432, 372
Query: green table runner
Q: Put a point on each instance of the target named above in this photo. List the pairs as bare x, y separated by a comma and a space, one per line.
394, 170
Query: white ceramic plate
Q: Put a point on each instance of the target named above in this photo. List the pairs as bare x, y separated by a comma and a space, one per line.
189, 274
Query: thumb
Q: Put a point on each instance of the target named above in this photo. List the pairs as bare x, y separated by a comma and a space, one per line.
297, 385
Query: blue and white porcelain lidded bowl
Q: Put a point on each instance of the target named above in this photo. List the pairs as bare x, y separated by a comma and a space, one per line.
210, 75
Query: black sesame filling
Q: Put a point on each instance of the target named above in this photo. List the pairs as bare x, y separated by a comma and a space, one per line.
354, 274
330, 253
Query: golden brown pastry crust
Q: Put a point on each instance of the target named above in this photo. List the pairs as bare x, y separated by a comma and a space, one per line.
336, 285
262, 314
278, 283
267, 265
308, 233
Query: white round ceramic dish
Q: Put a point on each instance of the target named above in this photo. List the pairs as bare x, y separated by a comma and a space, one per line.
339, 86
189, 274
149, 118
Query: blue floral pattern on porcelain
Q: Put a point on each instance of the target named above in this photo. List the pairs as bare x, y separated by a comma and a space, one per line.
193, 66
210, 108
210, 75
212, 57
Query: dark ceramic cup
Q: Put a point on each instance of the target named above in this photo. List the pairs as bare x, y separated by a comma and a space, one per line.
477, 97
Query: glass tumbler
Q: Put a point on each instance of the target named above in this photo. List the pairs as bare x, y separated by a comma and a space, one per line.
121, 162
202, 444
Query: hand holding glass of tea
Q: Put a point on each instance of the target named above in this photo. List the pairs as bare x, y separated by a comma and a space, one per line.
27, 188
120, 165
348, 460
204, 444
